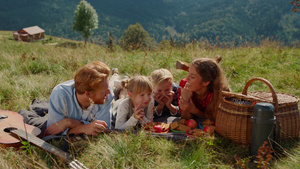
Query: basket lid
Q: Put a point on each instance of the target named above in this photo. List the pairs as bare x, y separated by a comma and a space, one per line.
283, 98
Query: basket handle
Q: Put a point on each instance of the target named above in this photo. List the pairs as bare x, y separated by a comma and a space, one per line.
274, 95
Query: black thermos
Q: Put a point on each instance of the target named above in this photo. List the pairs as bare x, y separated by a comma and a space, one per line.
263, 129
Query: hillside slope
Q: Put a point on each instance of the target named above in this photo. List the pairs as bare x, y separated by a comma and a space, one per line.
218, 20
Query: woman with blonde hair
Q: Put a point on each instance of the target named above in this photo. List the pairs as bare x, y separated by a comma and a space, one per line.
200, 91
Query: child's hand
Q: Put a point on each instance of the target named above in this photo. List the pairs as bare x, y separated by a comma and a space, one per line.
169, 97
139, 113
159, 98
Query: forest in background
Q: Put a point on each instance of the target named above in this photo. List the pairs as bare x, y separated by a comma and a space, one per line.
31, 70
218, 21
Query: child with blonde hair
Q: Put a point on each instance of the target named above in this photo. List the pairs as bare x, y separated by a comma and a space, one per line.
165, 95
137, 109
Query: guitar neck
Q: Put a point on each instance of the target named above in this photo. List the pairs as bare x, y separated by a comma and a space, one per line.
49, 147
185, 66
182, 65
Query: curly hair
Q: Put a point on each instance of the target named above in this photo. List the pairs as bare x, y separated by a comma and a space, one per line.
211, 71
89, 77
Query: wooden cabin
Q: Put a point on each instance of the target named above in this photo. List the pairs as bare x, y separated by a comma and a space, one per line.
29, 34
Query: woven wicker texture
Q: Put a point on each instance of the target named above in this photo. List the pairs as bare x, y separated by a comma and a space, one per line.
235, 111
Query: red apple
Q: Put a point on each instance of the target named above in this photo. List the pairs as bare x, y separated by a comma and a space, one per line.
157, 128
206, 128
209, 130
191, 123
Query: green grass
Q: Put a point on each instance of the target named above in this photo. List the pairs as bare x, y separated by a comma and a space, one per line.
31, 70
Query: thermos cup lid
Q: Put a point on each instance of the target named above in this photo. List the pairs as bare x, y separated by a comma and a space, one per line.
263, 111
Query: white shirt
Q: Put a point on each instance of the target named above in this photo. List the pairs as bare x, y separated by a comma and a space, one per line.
122, 122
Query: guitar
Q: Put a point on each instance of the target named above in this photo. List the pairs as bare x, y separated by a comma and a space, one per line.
15, 120
71, 161
185, 66
13, 128
182, 65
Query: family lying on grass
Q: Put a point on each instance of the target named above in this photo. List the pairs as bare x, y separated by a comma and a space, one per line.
91, 103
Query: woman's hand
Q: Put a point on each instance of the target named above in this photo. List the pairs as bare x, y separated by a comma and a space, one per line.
185, 105
186, 108
186, 94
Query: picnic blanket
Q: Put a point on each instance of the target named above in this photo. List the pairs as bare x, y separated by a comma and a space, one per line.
170, 135
36, 115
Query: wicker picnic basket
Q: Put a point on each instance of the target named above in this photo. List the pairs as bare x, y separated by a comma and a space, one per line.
233, 120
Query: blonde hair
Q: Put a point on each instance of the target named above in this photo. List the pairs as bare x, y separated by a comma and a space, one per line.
89, 77
211, 71
160, 75
137, 85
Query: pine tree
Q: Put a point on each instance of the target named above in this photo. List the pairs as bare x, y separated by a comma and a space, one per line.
86, 19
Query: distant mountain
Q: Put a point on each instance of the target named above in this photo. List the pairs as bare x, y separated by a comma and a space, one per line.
215, 20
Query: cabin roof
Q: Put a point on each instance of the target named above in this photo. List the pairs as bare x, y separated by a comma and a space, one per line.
33, 30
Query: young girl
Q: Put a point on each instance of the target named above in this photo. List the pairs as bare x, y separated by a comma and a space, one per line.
165, 95
136, 110
200, 92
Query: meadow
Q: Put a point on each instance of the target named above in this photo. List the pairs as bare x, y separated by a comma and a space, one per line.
31, 70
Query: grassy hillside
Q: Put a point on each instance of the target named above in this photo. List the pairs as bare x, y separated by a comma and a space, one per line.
31, 70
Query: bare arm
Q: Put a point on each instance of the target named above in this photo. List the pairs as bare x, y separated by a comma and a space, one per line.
170, 106
189, 110
61, 126
94, 128
76, 127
